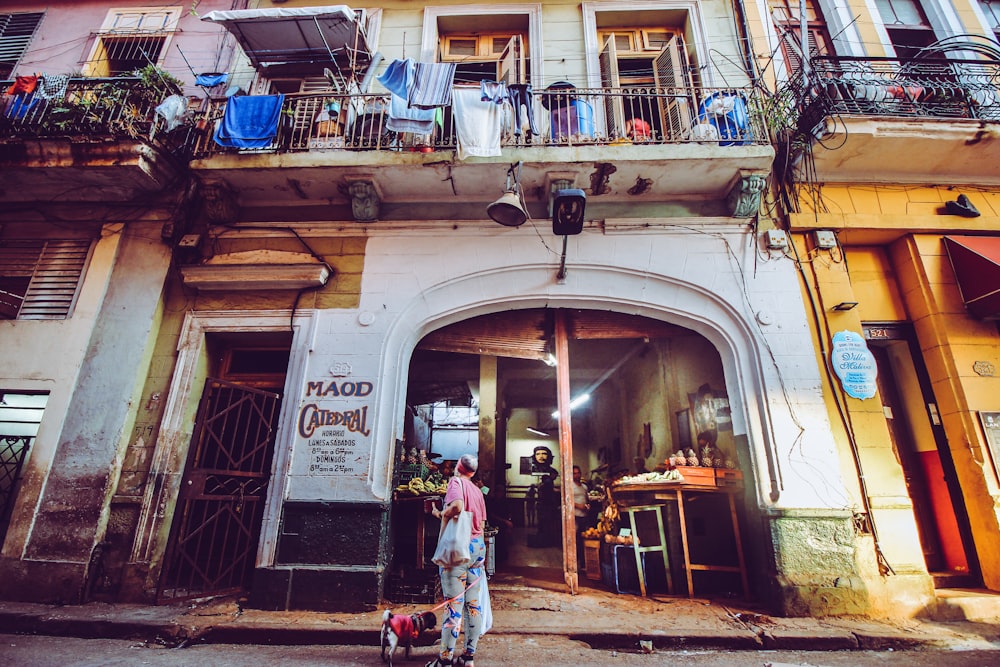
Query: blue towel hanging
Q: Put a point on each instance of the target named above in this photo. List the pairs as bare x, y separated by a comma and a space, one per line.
250, 121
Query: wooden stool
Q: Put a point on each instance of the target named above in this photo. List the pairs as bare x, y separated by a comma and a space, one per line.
640, 549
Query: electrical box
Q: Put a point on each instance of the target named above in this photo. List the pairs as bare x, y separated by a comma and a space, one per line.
776, 239
189, 241
825, 239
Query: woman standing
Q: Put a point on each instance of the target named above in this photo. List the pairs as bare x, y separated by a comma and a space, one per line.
461, 585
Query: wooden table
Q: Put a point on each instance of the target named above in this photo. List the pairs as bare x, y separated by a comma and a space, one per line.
416, 503
639, 494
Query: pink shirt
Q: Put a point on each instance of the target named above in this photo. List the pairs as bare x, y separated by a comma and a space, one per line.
474, 501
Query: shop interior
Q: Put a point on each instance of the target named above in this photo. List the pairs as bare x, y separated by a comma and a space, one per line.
641, 392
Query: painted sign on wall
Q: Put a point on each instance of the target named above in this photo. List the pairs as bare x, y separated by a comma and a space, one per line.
854, 364
334, 422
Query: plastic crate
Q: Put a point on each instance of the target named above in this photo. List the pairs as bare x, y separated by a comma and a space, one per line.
408, 471
619, 571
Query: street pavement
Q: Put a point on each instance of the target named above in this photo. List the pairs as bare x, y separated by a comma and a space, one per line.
521, 607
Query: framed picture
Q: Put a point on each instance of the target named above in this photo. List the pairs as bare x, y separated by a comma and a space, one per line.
991, 427
710, 410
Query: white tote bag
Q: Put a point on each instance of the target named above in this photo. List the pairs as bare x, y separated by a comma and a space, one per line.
453, 542
485, 605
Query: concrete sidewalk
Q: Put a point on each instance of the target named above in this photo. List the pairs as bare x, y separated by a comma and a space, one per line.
600, 618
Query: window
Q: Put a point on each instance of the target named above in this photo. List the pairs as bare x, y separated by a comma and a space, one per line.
16, 31
496, 56
991, 10
907, 26
132, 38
785, 14
20, 415
39, 279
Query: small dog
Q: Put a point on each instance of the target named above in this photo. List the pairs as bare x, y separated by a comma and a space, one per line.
403, 630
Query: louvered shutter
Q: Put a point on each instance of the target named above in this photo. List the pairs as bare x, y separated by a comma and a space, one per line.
670, 75
511, 68
614, 111
16, 31
52, 271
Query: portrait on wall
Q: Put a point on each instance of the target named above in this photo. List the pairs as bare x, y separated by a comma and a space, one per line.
541, 462
710, 410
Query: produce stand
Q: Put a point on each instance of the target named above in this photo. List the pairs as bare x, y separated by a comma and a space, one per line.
412, 577
692, 482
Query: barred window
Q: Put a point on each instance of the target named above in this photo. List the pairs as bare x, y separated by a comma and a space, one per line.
16, 31
131, 38
40, 279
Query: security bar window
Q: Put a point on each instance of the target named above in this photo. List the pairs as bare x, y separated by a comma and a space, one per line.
132, 38
40, 279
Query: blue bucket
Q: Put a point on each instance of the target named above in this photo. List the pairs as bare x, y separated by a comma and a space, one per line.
733, 123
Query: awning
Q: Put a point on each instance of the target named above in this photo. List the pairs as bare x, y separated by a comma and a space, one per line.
297, 34
976, 262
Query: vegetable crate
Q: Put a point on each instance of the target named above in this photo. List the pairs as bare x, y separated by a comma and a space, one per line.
697, 475
592, 559
408, 471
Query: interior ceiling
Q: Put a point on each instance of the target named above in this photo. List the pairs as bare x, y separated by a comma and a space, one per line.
447, 360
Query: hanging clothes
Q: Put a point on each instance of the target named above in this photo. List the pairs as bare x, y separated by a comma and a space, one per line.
432, 85
23, 84
398, 78
250, 121
211, 79
520, 95
172, 110
52, 86
477, 124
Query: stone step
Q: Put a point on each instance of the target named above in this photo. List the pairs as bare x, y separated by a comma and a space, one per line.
963, 604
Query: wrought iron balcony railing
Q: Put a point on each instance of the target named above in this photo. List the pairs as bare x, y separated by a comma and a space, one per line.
98, 108
927, 88
562, 117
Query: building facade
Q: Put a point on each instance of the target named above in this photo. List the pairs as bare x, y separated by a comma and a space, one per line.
279, 281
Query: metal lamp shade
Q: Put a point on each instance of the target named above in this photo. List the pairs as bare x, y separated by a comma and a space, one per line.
507, 210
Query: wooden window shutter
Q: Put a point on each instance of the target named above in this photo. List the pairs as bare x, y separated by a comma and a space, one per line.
56, 280
16, 31
670, 72
614, 111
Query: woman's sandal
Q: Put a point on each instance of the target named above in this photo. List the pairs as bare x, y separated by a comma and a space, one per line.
438, 662
465, 661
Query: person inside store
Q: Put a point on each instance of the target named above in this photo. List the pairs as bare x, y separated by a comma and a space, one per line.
461, 585
581, 509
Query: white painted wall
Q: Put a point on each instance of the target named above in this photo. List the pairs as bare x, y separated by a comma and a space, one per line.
708, 278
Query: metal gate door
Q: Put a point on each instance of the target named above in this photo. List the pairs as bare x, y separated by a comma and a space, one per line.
220, 506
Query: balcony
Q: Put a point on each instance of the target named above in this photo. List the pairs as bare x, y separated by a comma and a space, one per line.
889, 120
633, 149
99, 139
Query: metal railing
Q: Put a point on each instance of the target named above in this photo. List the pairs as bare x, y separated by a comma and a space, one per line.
115, 107
563, 117
933, 88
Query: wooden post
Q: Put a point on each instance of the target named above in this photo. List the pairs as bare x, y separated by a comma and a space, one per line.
566, 453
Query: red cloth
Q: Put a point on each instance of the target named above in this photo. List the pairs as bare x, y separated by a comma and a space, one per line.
637, 128
23, 84
459, 487
402, 625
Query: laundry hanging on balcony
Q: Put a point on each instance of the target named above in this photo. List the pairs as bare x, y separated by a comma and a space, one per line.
250, 121
52, 86
478, 123
398, 79
432, 84
211, 79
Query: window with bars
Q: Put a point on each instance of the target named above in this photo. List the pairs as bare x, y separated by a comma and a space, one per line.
16, 31
40, 279
20, 417
130, 39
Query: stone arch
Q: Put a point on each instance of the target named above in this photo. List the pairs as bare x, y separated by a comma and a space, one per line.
662, 297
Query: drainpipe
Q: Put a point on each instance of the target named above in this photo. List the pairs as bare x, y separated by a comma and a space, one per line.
744, 29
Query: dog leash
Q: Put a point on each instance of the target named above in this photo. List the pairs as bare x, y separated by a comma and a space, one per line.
450, 600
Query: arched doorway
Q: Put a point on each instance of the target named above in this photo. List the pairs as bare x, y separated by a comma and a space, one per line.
490, 385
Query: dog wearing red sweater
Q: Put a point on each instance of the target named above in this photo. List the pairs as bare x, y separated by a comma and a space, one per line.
403, 630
